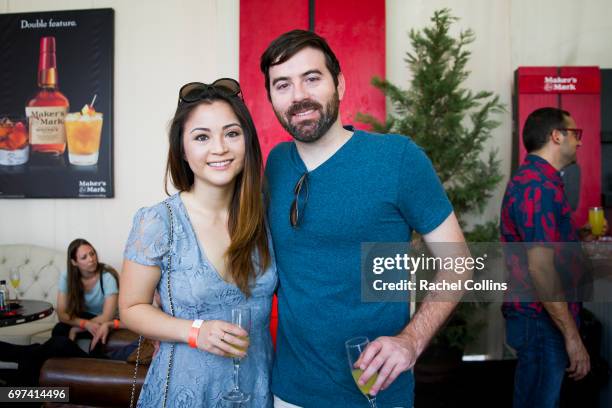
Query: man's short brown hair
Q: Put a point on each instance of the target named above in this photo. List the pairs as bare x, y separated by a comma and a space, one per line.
289, 44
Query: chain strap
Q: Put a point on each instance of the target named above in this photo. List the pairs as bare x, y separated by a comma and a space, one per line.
170, 299
135, 373
171, 303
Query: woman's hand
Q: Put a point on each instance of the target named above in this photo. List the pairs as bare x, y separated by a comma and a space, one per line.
92, 327
73, 332
101, 335
218, 337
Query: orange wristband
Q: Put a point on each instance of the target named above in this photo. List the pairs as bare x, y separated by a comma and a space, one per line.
82, 323
116, 324
193, 333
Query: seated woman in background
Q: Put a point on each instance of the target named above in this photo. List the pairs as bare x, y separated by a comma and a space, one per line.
87, 293
86, 302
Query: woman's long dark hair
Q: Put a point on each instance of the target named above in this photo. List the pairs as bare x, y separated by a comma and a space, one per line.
246, 223
76, 292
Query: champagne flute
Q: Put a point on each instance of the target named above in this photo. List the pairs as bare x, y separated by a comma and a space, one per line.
354, 348
15, 277
241, 316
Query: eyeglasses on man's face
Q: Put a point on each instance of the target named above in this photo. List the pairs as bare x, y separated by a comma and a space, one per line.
577, 132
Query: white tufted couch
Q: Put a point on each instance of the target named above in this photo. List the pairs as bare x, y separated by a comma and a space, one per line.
40, 270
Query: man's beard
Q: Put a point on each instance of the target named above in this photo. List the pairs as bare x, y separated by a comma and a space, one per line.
309, 131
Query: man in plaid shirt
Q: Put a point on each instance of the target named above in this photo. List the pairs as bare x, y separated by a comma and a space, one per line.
535, 210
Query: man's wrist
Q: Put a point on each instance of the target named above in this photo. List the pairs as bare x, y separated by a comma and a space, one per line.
571, 336
413, 340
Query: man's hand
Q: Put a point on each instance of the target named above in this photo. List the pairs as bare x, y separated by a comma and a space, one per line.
389, 356
586, 233
100, 335
580, 362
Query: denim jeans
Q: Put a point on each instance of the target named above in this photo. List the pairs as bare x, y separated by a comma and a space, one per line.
542, 360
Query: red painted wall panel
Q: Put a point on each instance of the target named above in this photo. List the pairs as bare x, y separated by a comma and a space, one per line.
355, 30
261, 22
356, 33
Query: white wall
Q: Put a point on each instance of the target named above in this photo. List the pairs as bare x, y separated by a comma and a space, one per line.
159, 45
549, 32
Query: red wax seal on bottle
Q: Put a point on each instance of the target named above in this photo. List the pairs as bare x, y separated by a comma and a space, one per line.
47, 62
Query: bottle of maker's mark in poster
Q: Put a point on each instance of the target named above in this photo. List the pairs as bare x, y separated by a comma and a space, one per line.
46, 111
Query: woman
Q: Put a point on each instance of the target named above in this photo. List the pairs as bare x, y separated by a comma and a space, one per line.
87, 293
213, 234
86, 302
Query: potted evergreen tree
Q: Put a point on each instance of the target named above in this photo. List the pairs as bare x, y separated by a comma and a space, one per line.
452, 124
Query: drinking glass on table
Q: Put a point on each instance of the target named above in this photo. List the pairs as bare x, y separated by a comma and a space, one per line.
354, 348
596, 220
241, 316
15, 278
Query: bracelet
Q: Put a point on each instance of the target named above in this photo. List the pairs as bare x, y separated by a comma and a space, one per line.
116, 324
193, 333
82, 323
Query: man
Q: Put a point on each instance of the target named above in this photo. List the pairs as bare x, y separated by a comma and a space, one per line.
535, 210
330, 190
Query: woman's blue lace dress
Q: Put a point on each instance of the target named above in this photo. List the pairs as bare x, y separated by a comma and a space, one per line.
199, 378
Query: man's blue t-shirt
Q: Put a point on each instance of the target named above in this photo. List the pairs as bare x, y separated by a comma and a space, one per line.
375, 188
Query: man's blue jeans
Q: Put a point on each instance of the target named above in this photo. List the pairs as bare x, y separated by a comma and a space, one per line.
542, 360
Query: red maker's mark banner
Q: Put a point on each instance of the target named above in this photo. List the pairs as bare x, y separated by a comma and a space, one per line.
560, 84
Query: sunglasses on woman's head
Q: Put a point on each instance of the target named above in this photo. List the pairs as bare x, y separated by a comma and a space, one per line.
195, 91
